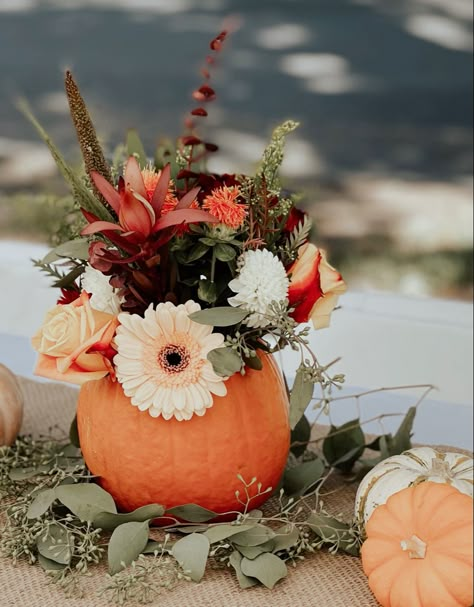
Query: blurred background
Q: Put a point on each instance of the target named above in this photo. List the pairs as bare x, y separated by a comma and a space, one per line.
382, 88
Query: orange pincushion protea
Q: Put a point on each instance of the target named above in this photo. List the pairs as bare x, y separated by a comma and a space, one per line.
222, 203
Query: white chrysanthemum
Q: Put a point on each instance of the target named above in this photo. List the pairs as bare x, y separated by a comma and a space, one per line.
104, 297
262, 280
162, 361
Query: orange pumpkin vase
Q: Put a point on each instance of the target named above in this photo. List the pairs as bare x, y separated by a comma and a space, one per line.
141, 460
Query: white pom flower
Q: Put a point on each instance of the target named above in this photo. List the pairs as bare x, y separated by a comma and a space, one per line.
104, 297
162, 361
262, 280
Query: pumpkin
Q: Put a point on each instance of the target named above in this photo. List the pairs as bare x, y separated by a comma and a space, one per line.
141, 460
11, 406
410, 468
419, 548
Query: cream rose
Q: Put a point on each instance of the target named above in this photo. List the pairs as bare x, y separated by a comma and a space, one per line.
74, 342
315, 287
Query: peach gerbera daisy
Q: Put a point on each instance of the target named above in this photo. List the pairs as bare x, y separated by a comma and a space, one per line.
222, 203
162, 361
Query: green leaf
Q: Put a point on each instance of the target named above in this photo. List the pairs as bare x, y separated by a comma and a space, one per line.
219, 532
344, 445
74, 433
67, 280
192, 513
299, 480
225, 361
49, 565
253, 362
41, 503
125, 544
257, 535
245, 581
285, 538
75, 249
135, 147
191, 552
333, 532
210, 242
224, 252
196, 252
23, 474
207, 291
251, 552
110, 521
301, 433
56, 545
402, 438
266, 568
224, 316
300, 397
86, 500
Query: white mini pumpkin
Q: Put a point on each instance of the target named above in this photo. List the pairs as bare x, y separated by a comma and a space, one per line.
411, 468
11, 406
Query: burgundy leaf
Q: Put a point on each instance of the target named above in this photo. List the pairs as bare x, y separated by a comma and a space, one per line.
101, 226
199, 111
180, 216
161, 190
107, 190
187, 200
191, 140
211, 147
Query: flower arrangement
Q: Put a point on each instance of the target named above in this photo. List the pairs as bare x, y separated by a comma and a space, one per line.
177, 286
180, 276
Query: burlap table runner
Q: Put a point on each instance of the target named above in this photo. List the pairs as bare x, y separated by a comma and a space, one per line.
321, 580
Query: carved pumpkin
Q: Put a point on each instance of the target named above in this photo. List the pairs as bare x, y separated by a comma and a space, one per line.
141, 459
11, 406
419, 548
411, 468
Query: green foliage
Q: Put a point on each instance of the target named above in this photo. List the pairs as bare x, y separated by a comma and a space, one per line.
273, 156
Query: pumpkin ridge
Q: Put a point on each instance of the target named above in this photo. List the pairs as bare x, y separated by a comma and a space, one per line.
426, 519
441, 575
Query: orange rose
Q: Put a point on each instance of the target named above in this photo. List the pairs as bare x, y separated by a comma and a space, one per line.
315, 287
73, 342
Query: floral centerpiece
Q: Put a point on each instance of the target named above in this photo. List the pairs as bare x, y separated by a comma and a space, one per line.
182, 285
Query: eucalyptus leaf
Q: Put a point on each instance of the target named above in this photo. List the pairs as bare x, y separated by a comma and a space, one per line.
251, 552
253, 362
301, 433
257, 535
49, 565
285, 538
223, 316
41, 503
300, 397
207, 291
74, 433
225, 361
75, 249
69, 278
224, 252
209, 242
56, 545
344, 444
23, 474
219, 532
135, 147
85, 500
402, 438
333, 531
245, 581
301, 478
126, 543
108, 521
192, 513
266, 568
191, 552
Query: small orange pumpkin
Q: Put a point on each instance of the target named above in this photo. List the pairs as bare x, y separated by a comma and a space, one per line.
419, 548
142, 460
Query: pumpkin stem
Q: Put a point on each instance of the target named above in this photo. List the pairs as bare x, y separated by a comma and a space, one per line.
440, 468
416, 548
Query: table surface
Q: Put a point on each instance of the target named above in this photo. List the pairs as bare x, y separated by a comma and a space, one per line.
384, 340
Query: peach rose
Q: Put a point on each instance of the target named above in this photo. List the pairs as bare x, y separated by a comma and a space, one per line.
74, 342
315, 287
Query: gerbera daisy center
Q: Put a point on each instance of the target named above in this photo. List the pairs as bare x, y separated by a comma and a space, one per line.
173, 358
